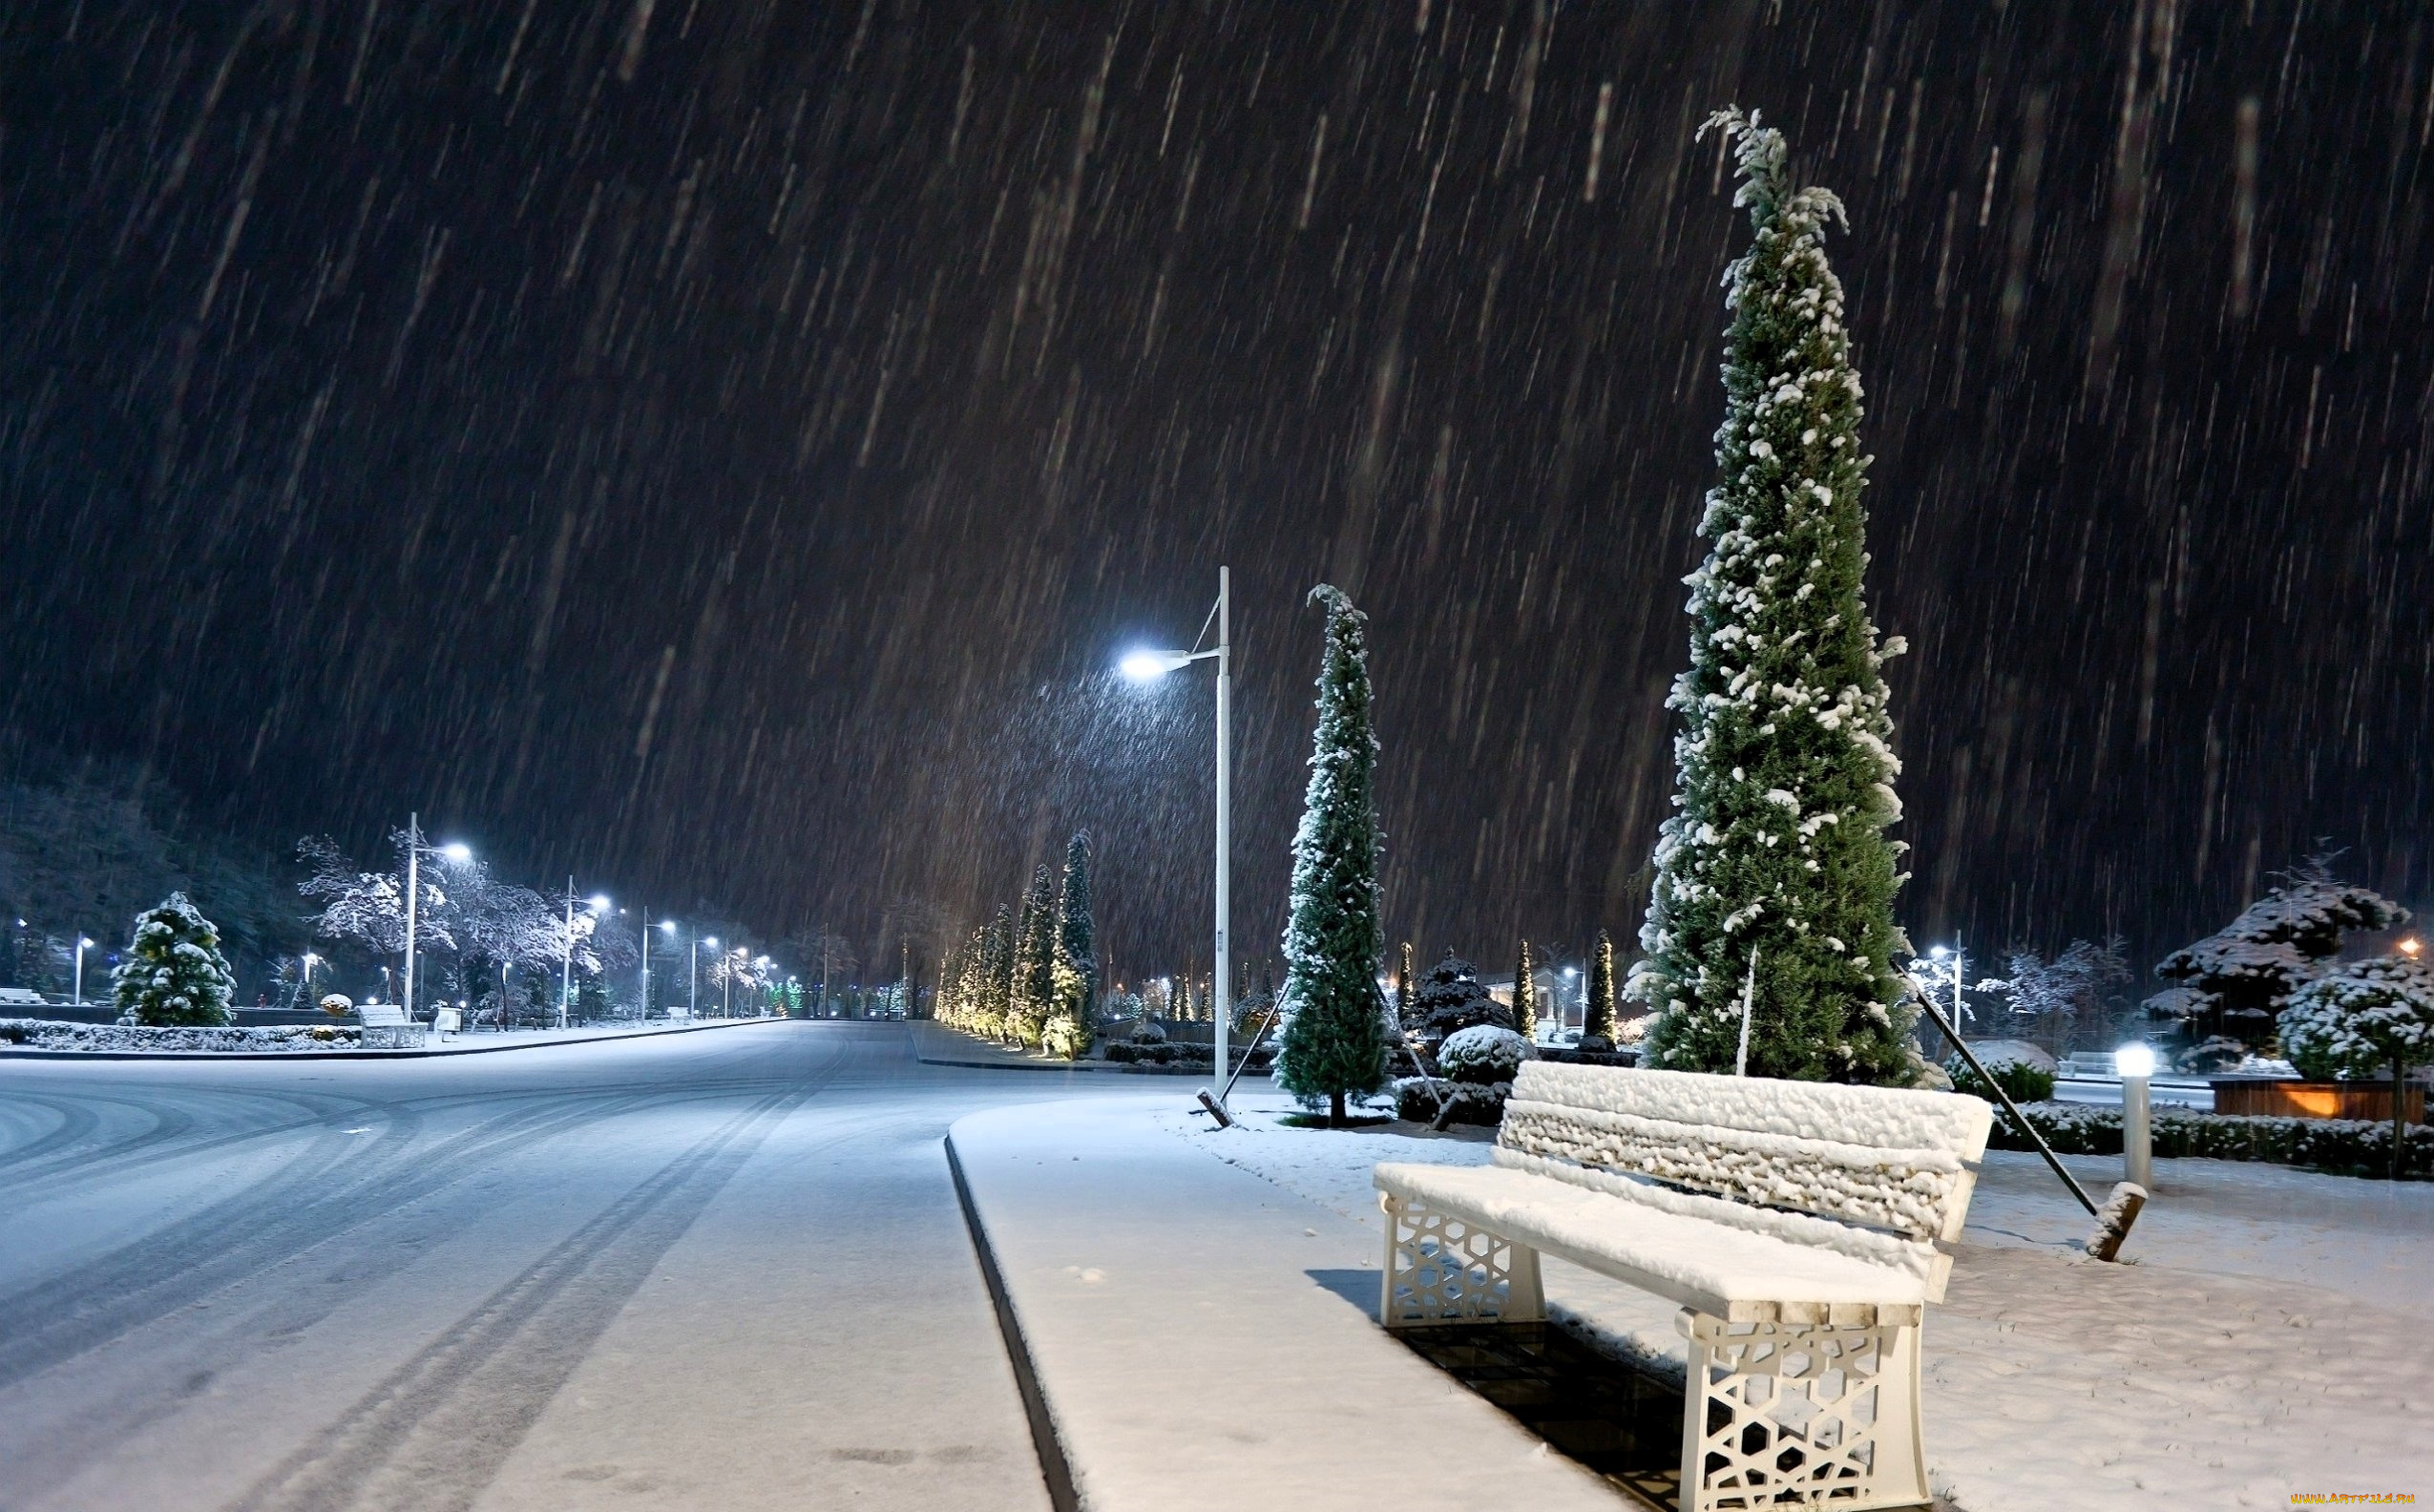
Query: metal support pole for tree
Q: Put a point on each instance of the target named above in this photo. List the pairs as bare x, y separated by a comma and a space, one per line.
1222, 990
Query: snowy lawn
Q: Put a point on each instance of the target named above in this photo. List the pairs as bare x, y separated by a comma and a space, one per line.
2267, 1337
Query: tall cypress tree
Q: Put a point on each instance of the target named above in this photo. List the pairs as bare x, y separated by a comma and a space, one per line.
1077, 933
1597, 1017
1525, 996
1784, 762
1403, 976
996, 974
1335, 1040
1035, 978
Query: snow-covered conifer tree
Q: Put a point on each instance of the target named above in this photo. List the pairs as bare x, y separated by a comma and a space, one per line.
1524, 995
1597, 1017
1034, 976
2235, 981
1076, 971
174, 975
1784, 764
1334, 1042
2362, 1017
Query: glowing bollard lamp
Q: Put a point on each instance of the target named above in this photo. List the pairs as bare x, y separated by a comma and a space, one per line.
2136, 1064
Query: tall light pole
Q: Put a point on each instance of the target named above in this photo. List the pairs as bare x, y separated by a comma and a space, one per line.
720, 968
667, 927
456, 852
599, 904
693, 977
1144, 667
83, 944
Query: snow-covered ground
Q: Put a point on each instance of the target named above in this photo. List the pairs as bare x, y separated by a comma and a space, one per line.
2265, 1339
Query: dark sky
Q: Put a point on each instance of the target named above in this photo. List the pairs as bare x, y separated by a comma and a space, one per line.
720, 447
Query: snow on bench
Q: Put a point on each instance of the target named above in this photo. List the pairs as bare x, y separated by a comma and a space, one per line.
389, 1020
1796, 1223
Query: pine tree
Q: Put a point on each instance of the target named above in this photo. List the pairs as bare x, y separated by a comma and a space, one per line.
1035, 980
1077, 969
1597, 1018
997, 975
1403, 986
174, 975
1784, 762
1524, 995
1335, 1040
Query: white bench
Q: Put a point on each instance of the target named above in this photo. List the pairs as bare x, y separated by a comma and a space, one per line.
1795, 1223
390, 1022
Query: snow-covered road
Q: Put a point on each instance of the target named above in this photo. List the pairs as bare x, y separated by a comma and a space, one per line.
699, 1271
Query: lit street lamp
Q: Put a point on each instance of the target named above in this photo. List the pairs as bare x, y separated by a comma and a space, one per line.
667, 927
1150, 666
724, 975
597, 904
456, 852
82, 945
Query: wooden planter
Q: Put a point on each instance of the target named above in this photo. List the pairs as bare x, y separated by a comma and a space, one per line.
2368, 1100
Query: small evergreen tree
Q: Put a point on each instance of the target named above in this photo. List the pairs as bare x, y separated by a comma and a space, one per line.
1524, 995
1450, 1000
2362, 1018
1784, 762
1076, 973
1597, 1018
1334, 1042
2236, 980
174, 975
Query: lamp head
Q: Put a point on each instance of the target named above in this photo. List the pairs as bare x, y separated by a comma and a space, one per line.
1148, 666
597, 903
83, 943
2409, 947
458, 852
711, 941
667, 926
2134, 1061
1938, 953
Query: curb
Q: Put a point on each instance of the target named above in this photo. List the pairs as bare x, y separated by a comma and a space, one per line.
1054, 1467
363, 1055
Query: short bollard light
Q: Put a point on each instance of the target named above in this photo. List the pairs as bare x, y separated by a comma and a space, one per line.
2136, 1063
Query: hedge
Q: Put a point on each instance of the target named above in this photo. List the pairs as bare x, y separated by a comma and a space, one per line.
2348, 1145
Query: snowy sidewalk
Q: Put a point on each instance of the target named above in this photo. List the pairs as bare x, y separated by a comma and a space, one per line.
1201, 1338
2271, 1338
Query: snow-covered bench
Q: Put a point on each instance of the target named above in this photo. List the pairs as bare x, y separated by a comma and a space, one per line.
1795, 1223
388, 1021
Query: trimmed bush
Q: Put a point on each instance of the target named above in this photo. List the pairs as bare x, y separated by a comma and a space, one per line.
2020, 1068
2350, 1147
1484, 1054
1416, 1099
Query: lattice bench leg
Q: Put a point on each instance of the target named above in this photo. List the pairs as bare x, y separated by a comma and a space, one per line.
1441, 1270
1800, 1413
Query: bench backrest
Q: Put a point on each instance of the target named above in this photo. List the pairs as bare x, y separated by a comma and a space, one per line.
1883, 1157
381, 1016
21, 998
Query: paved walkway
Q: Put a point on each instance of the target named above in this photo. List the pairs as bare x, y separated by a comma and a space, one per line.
1203, 1338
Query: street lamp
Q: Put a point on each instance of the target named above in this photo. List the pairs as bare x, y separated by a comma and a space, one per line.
667, 927
598, 904
1148, 666
456, 852
2135, 1064
306, 992
82, 945
713, 942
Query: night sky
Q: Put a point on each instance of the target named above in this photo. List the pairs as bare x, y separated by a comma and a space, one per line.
719, 447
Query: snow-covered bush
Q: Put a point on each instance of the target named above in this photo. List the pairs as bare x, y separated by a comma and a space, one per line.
338, 1005
1416, 1099
2212, 1054
2362, 1021
1484, 1054
1450, 1000
174, 975
1148, 1031
2021, 1069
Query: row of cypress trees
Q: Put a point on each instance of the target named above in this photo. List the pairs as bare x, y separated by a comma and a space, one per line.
1774, 876
1029, 975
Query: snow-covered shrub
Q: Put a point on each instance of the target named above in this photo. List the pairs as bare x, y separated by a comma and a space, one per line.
2244, 974
2021, 1069
2347, 1145
1450, 1000
2214, 1053
1484, 1054
338, 1005
1148, 1031
2361, 1020
1415, 1099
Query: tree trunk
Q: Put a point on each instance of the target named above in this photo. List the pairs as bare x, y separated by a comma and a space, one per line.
2400, 1110
1335, 1111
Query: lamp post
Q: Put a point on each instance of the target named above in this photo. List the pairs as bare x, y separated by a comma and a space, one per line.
1954, 957
667, 927
306, 992
713, 943
597, 904
83, 944
456, 852
2136, 1063
1144, 666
